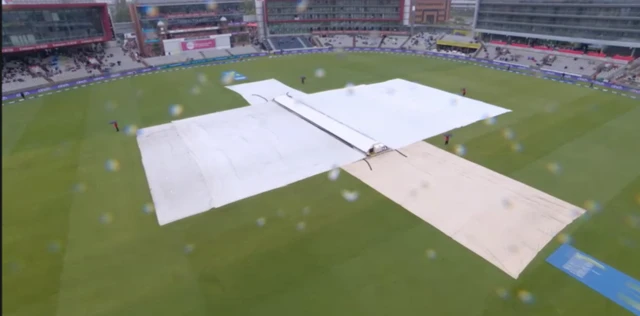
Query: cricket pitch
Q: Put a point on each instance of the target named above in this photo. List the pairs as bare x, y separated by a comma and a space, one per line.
500, 219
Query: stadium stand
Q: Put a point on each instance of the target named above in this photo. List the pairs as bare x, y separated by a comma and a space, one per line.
422, 41
393, 41
16, 76
238, 50
353, 25
212, 53
306, 41
630, 75
66, 63
554, 60
368, 41
338, 41
286, 43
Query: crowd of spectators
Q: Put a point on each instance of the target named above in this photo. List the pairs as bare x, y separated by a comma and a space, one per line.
55, 65
66, 63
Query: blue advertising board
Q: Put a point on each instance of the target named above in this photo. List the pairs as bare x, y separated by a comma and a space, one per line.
600, 277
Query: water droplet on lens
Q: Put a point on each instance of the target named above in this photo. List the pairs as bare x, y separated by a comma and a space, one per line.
302, 6
525, 296
460, 150
592, 206
431, 254
350, 88
148, 208
517, 147
554, 167
228, 77
112, 165
176, 110
333, 174
79, 188
131, 130
54, 246
502, 293
350, 196
106, 218
506, 203
508, 134
202, 78
564, 238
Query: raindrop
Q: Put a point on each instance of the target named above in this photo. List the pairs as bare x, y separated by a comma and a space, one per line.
151, 11
131, 130
202, 78
110, 106
228, 77
592, 206
502, 293
431, 254
79, 187
212, 5
350, 88
489, 120
189, 248
525, 296
334, 173
460, 150
148, 208
506, 203
564, 238
320, 73
106, 218
54, 246
112, 165
507, 133
554, 167
302, 6
517, 147
176, 110
261, 221
350, 196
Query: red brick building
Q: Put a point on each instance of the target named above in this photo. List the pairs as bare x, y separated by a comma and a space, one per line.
432, 11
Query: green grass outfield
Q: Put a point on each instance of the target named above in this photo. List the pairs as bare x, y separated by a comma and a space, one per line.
76, 240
